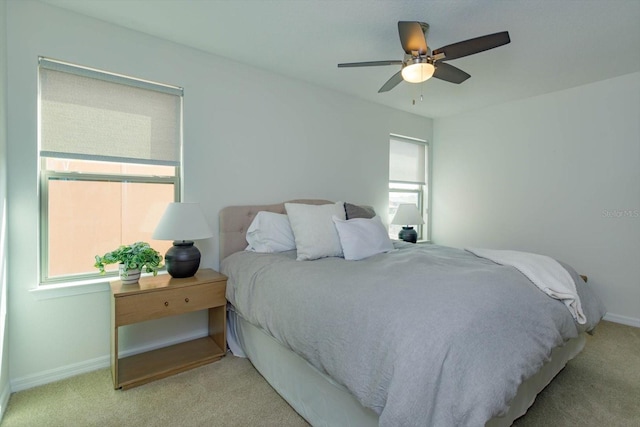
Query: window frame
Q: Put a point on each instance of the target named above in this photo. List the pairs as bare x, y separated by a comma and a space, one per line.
46, 175
424, 203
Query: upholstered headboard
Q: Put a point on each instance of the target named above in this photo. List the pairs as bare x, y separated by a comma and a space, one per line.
235, 220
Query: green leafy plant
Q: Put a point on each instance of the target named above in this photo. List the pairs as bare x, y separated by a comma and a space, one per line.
137, 255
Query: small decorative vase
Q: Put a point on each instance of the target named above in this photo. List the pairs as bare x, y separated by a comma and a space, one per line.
129, 277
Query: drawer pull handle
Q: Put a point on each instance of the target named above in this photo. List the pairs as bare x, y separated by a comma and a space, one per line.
186, 300
166, 303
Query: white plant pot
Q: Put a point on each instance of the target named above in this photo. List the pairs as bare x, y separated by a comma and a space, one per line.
129, 277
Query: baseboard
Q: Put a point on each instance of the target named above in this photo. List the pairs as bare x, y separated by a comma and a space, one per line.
57, 374
4, 399
625, 320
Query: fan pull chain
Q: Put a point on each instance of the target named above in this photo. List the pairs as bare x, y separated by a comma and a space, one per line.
421, 97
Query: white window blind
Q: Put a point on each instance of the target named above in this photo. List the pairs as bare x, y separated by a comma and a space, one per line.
407, 161
92, 115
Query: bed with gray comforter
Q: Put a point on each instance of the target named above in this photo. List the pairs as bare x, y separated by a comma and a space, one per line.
423, 335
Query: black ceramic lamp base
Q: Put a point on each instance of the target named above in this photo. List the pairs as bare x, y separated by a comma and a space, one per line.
182, 259
408, 234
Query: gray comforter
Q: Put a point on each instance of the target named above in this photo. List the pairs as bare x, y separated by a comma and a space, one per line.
424, 335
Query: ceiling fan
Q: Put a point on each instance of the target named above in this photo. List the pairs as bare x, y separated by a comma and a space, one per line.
419, 64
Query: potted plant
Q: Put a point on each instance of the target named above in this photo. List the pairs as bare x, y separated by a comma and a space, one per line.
132, 259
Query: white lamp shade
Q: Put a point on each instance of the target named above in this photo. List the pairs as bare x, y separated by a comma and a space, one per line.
407, 214
182, 221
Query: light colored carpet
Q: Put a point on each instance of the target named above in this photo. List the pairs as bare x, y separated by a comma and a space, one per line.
229, 392
600, 387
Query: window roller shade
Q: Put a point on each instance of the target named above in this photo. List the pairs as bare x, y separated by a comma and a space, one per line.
90, 115
407, 161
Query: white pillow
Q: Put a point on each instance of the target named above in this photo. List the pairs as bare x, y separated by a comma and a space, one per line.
270, 232
313, 229
362, 237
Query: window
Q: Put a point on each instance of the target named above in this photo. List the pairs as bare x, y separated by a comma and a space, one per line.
408, 172
110, 161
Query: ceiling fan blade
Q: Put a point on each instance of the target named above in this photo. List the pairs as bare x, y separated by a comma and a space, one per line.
449, 73
413, 36
369, 64
471, 46
392, 82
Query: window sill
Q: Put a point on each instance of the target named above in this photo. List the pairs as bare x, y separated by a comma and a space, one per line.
68, 289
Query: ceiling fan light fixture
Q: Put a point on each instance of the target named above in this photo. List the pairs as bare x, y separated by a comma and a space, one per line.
418, 72
418, 63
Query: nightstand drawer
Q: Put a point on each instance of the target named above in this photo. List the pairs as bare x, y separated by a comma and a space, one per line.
168, 302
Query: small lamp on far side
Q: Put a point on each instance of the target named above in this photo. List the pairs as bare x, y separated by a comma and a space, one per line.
407, 214
183, 223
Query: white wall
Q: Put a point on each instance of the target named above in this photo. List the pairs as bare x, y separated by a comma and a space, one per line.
250, 137
4, 336
545, 175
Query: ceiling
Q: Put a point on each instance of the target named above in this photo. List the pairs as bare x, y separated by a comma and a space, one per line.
554, 45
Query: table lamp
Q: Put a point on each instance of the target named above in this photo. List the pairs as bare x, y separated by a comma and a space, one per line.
406, 214
183, 223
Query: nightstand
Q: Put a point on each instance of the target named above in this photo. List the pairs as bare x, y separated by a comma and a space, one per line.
162, 296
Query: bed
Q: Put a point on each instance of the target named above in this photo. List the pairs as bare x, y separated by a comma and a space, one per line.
383, 351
